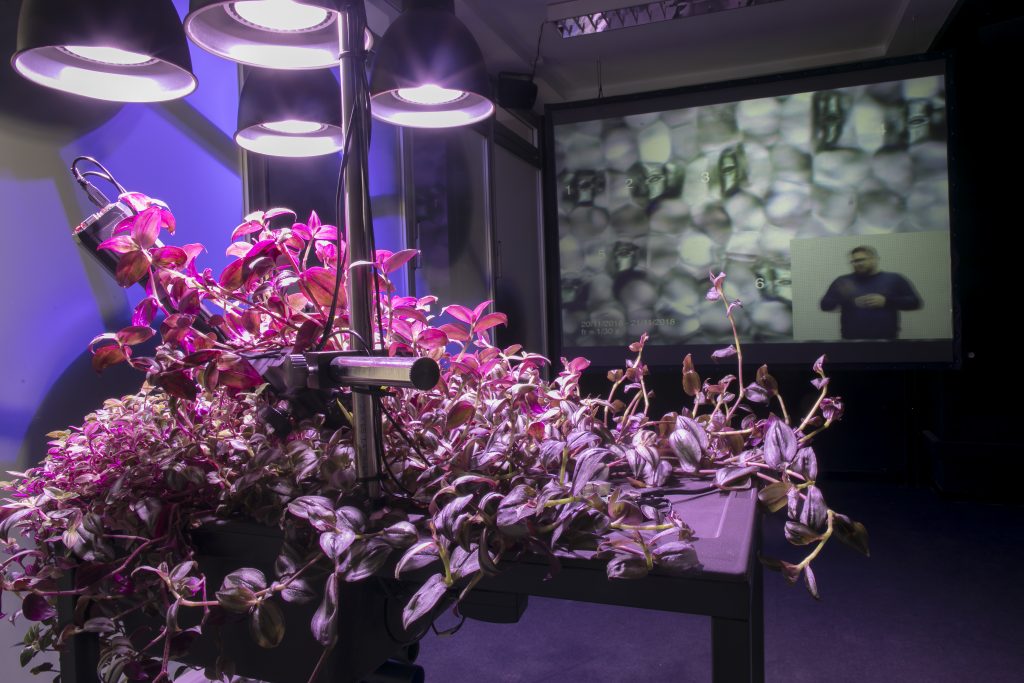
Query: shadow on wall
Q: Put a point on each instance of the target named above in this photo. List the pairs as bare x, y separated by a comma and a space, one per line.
78, 391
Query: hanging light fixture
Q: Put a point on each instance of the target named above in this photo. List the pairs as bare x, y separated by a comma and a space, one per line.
273, 34
290, 113
116, 50
429, 71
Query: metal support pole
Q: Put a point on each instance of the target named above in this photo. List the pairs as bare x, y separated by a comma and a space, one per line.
355, 201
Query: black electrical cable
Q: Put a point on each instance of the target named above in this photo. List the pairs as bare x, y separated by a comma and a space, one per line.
94, 194
536, 54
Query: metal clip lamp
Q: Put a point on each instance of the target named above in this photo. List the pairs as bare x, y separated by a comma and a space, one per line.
115, 50
290, 113
429, 71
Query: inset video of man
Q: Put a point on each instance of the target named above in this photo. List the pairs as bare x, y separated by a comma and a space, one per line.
870, 299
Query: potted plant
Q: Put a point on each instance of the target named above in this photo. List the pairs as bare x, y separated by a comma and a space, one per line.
492, 461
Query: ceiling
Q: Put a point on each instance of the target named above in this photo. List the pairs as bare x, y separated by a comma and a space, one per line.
754, 39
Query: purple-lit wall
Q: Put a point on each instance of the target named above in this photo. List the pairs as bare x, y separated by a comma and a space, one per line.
55, 299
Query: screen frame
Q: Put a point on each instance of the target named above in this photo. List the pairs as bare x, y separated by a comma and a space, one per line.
933, 354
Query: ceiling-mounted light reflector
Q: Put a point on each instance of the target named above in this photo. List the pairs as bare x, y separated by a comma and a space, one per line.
271, 34
429, 71
115, 50
290, 113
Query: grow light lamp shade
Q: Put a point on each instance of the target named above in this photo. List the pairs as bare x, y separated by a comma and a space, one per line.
429, 71
272, 34
115, 50
290, 113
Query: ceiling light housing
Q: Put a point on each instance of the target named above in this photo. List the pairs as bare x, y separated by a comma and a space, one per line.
115, 50
429, 72
271, 34
290, 113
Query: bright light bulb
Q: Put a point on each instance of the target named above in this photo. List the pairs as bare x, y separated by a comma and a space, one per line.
430, 94
293, 127
280, 15
431, 119
108, 55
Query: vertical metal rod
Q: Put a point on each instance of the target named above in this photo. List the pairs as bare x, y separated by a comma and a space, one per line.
355, 199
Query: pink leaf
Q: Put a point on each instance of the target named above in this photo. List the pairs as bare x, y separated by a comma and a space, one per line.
319, 283
167, 220
459, 415
246, 228
146, 227
460, 313
169, 256
238, 249
431, 338
479, 310
136, 334
233, 276
261, 248
577, 365
489, 321
192, 251
455, 332
144, 312
190, 302
178, 384
107, 356
131, 268
200, 357
302, 230
326, 233
308, 333
274, 213
121, 244
396, 261
313, 222
240, 375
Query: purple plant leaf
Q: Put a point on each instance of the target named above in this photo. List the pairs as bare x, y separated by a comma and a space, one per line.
819, 364
780, 444
806, 463
424, 600
490, 320
135, 334
459, 414
334, 543
460, 313
588, 464
131, 268
146, 227
37, 608
431, 338
246, 228
369, 561
756, 393
119, 244
677, 556
144, 312
324, 624
318, 284
724, 352
814, 513
106, 356
820, 383
418, 556
232, 277
811, 582
397, 260
851, 533
266, 624
801, 534
687, 449
169, 256
627, 567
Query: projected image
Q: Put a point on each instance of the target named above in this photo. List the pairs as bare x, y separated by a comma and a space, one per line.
649, 204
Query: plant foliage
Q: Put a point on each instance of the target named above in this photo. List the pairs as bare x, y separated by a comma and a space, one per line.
492, 462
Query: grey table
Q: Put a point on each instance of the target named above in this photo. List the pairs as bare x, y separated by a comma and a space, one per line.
726, 588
